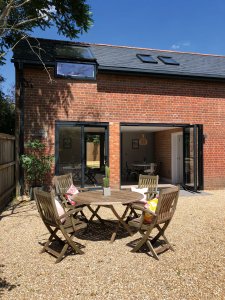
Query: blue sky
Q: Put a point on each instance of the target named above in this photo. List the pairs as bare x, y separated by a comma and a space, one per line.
179, 25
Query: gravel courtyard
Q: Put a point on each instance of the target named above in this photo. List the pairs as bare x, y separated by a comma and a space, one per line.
196, 270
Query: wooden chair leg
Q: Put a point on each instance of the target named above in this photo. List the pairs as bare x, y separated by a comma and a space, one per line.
150, 247
138, 246
160, 233
59, 258
168, 243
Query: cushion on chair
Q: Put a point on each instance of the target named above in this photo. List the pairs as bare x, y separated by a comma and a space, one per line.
141, 191
151, 205
59, 209
70, 193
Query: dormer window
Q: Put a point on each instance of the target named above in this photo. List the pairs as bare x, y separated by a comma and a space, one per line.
76, 70
75, 61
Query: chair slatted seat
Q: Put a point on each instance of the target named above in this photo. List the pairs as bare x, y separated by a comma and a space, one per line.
161, 218
67, 224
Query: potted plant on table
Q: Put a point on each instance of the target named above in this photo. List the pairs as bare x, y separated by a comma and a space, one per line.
106, 187
36, 164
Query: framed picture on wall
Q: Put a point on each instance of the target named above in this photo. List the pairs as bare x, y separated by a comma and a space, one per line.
135, 144
67, 143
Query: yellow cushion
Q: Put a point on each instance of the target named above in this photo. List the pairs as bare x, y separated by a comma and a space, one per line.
151, 205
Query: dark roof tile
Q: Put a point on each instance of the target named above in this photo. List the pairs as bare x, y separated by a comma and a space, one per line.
121, 58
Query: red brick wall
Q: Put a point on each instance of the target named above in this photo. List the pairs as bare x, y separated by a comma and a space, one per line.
118, 98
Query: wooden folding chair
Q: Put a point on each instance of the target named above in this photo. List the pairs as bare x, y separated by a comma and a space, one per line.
160, 220
150, 182
62, 183
67, 224
145, 181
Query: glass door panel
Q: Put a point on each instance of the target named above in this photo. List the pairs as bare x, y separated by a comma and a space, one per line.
69, 159
95, 150
193, 149
83, 151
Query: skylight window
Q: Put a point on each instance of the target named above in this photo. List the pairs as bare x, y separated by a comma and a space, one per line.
74, 52
147, 58
168, 60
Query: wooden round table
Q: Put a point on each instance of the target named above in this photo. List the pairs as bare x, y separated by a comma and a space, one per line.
117, 197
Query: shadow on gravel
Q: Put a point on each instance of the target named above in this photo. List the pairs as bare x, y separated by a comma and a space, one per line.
5, 286
98, 232
18, 209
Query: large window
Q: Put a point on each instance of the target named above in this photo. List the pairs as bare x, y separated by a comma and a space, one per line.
76, 70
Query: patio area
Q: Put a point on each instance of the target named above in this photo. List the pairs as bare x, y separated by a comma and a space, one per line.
109, 271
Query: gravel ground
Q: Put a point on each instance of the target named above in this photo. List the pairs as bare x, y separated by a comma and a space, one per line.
196, 270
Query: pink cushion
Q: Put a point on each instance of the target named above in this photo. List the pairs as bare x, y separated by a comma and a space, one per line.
70, 193
60, 210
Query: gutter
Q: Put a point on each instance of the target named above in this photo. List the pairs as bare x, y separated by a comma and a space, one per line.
141, 72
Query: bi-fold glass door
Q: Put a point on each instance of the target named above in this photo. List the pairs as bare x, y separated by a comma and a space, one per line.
82, 149
193, 157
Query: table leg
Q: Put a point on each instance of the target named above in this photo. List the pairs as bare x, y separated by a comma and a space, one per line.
120, 221
95, 214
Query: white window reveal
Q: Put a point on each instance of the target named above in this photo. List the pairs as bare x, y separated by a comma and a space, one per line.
76, 70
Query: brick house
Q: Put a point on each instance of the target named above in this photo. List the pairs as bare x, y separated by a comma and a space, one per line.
120, 105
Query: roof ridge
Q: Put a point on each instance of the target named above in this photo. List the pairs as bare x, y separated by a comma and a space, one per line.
129, 47
160, 50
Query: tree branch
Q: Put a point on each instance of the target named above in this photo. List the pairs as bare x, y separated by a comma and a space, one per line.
28, 21
4, 15
39, 57
22, 4
4, 53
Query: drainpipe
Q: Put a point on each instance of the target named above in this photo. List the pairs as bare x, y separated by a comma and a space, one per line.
19, 132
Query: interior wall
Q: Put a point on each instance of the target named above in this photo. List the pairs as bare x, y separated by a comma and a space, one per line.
130, 155
162, 151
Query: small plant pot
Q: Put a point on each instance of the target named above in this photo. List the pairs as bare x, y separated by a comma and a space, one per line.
107, 191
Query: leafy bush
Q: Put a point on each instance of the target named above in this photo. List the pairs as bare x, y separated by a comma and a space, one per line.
35, 163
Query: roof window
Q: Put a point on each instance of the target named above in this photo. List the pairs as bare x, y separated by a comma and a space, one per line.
147, 58
74, 52
168, 60
76, 70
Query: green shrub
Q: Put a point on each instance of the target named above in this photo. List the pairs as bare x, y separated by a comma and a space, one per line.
35, 163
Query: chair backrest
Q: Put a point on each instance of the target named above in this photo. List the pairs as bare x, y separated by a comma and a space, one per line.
62, 183
148, 181
46, 207
166, 204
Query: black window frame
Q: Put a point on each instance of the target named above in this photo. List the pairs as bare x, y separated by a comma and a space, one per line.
173, 62
140, 56
76, 77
